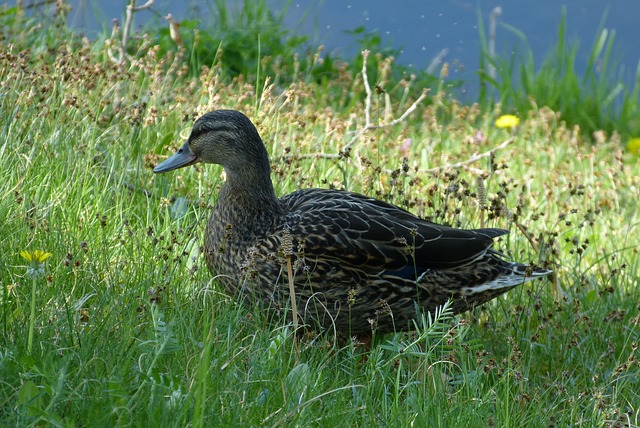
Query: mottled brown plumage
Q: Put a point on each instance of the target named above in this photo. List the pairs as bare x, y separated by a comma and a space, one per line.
359, 263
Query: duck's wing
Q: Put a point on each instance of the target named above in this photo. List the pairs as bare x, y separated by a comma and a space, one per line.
371, 235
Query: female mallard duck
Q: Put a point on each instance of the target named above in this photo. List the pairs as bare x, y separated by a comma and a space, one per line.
359, 264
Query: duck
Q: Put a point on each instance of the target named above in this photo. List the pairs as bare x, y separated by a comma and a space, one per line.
355, 265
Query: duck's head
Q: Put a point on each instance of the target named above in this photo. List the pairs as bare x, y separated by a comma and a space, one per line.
223, 137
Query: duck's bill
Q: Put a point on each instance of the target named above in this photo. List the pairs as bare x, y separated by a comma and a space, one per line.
184, 157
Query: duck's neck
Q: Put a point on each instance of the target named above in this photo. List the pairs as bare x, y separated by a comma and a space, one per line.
249, 193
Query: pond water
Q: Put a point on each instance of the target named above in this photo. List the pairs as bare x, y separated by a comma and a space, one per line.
423, 30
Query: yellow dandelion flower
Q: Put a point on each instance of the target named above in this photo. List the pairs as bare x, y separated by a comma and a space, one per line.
36, 261
507, 121
633, 145
37, 256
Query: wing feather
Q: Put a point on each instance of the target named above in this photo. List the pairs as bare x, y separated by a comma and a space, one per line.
373, 235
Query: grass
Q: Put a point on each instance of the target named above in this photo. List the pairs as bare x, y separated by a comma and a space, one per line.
130, 328
596, 100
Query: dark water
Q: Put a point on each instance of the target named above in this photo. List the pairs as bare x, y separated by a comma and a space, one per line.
422, 30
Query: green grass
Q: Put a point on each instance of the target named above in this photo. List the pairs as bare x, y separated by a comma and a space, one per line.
131, 329
597, 100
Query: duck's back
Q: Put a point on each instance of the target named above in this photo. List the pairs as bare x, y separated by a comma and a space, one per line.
372, 233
